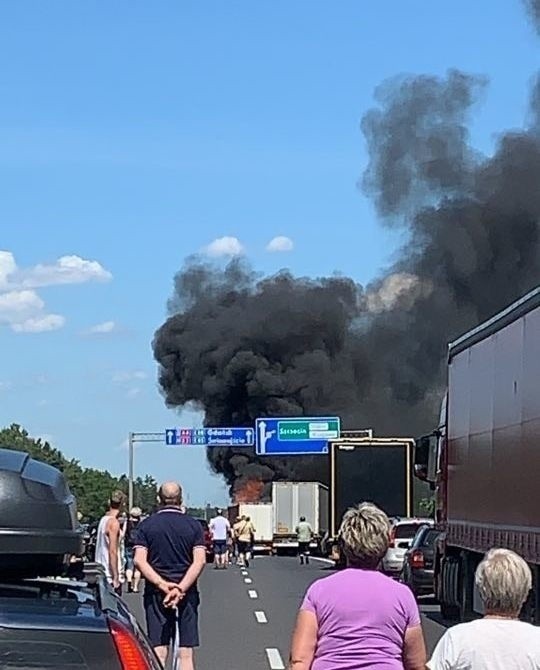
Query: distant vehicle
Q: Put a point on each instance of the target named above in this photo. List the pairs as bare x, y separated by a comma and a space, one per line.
261, 515
372, 469
208, 542
417, 570
290, 501
59, 623
483, 459
403, 534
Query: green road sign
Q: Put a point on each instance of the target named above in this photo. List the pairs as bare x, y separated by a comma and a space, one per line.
308, 430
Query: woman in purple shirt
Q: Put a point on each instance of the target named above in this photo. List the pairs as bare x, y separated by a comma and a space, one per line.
358, 618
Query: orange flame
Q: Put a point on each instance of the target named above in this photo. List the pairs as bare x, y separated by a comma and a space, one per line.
249, 492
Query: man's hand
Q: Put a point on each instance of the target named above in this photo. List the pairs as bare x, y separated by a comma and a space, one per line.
173, 593
174, 596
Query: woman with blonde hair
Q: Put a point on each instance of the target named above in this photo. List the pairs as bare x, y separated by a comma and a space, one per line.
499, 641
358, 618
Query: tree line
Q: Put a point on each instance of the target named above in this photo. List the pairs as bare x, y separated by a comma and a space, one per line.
90, 486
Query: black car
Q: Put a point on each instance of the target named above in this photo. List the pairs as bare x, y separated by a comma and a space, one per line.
417, 570
62, 623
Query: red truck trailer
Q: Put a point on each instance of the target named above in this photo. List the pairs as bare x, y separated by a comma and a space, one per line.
484, 458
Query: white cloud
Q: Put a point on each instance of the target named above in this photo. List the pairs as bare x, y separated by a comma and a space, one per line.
5, 386
66, 270
7, 267
23, 311
126, 376
224, 246
280, 244
21, 308
39, 324
133, 392
104, 328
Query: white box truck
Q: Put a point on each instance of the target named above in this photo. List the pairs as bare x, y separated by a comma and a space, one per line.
292, 500
261, 515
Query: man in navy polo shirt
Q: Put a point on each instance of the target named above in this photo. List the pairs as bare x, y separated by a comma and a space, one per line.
171, 554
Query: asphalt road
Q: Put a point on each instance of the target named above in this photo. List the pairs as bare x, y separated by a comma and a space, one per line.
248, 624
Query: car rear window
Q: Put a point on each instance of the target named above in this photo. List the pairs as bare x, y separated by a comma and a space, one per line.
406, 530
428, 538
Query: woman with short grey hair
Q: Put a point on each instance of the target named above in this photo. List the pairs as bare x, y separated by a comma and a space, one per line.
499, 641
359, 618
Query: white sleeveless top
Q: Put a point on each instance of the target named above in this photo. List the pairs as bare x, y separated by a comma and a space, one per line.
102, 545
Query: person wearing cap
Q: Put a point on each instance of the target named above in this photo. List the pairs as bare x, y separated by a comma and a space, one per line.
133, 576
220, 529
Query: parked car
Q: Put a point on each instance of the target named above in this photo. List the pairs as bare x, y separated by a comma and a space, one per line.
78, 625
403, 533
418, 565
208, 542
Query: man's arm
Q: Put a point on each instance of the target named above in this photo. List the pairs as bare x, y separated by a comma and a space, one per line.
113, 534
195, 569
148, 572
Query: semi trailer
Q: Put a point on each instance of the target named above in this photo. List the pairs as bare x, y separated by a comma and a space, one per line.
368, 469
483, 459
292, 500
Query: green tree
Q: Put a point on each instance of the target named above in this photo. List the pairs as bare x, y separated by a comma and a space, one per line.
90, 486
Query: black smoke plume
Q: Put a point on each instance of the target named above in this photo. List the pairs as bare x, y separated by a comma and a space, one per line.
534, 10
239, 346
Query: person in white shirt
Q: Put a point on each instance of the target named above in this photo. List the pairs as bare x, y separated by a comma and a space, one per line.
499, 641
109, 539
220, 529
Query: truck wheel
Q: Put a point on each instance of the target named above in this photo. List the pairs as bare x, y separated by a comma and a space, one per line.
450, 589
466, 587
449, 612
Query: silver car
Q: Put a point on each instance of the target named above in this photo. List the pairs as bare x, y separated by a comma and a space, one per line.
403, 532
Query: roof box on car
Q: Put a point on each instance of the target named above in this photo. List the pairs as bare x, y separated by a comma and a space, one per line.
38, 518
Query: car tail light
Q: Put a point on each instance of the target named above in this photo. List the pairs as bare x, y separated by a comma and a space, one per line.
392, 544
416, 559
132, 657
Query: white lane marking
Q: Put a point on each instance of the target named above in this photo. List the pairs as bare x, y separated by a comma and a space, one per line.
261, 617
247, 580
274, 659
245, 573
329, 561
253, 594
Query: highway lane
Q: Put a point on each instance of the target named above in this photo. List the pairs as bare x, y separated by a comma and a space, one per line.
246, 620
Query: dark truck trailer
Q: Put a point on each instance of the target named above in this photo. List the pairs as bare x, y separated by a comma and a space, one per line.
369, 469
484, 458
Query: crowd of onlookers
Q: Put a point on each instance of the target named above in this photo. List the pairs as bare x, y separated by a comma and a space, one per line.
357, 617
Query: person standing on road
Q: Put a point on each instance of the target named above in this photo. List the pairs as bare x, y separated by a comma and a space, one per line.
358, 617
171, 554
499, 641
221, 530
304, 535
244, 531
108, 541
133, 576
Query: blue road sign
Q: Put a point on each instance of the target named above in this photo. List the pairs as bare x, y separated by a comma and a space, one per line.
293, 436
211, 437
230, 437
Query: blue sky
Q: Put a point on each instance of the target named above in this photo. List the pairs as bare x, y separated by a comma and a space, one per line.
133, 134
